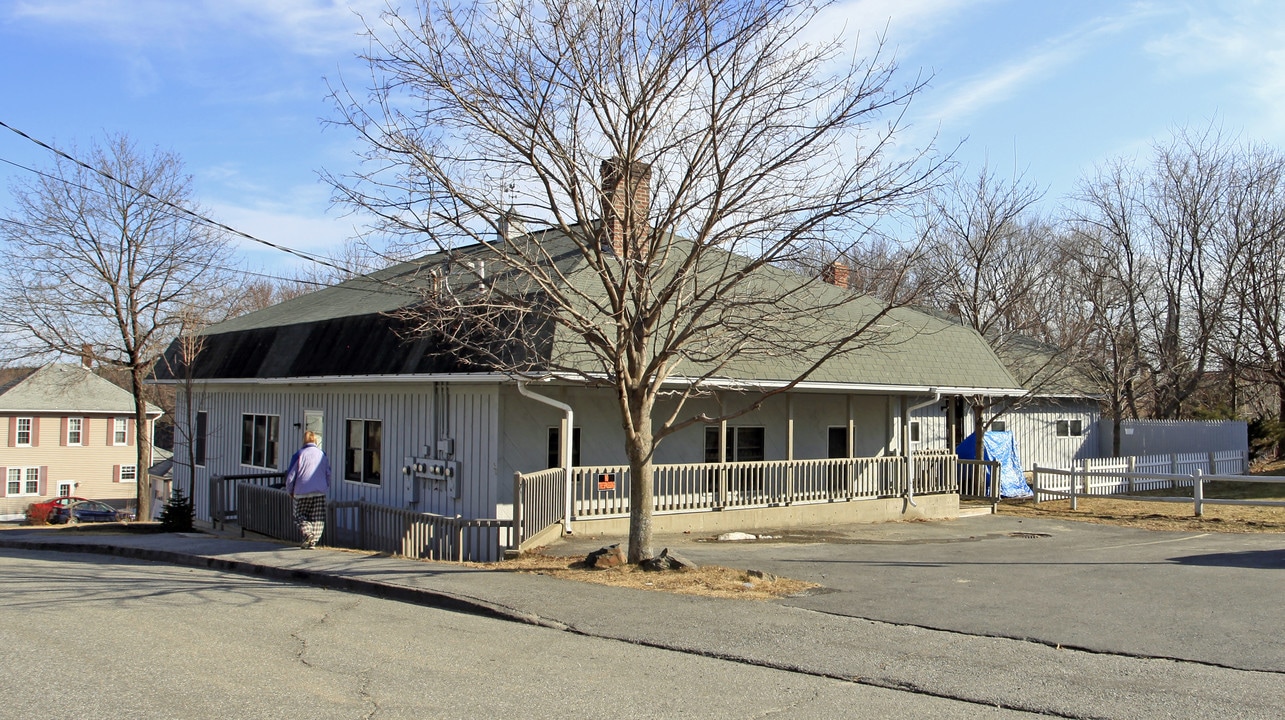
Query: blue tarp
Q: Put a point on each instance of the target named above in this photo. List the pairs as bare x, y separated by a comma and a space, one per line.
1000, 446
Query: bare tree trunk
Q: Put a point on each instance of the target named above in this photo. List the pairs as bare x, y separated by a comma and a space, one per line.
143, 442
640, 447
1280, 444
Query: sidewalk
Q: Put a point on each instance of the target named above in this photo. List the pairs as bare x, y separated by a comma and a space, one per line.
986, 669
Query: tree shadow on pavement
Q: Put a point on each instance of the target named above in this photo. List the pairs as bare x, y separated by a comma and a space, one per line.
1254, 559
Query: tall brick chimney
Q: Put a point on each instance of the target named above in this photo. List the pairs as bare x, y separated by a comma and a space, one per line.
626, 198
836, 273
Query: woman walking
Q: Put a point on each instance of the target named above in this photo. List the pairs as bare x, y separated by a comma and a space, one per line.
308, 481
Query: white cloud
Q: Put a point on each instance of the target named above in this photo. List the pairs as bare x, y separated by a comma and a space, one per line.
1045, 59
303, 26
305, 228
1239, 46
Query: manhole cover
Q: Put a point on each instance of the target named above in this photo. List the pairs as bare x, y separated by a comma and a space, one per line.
1029, 535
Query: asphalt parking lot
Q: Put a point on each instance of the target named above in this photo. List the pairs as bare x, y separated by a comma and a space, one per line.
1210, 598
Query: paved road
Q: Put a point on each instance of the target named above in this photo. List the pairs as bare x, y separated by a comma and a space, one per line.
1199, 597
219, 645
917, 607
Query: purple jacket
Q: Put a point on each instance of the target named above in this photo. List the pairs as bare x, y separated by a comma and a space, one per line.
309, 471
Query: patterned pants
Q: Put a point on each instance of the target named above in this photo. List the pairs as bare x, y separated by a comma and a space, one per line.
310, 513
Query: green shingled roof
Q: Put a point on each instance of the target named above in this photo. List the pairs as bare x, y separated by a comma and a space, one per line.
906, 347
67, 388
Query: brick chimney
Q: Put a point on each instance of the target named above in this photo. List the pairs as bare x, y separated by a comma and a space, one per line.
87, 355
626, 198
836, 273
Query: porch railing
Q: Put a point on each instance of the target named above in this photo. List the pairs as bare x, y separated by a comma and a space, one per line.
366, 526
223, 493
979, 480
266, 511
428, 536
603, 491
540, 501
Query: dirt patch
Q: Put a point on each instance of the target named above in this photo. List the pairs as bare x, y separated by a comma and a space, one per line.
707, 581
1155, 515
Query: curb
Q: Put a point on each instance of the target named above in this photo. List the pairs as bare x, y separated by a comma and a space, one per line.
331, 581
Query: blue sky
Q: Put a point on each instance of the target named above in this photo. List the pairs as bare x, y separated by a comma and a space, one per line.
238, 88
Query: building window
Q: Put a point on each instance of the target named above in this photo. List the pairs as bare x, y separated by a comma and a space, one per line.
914, 431
362, 458
1070, 428
23, 434
120, 431
259, 437
23, 481
555, 447
744, 444
198, 437
75, 428
998, 425
129, 473
64, 489
836, 442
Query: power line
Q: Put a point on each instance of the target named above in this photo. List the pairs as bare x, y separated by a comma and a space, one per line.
179, 208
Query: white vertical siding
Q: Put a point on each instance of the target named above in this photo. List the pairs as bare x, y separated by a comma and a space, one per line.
1034, 425
406, 414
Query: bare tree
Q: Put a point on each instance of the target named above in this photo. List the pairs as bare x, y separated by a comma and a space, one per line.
991, 262
1112, 274
104, 258
1186, 206
679, 151
1253, 339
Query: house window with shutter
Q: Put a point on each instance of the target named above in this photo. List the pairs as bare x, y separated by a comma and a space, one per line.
75, 431
129, 473
120, 431
22, 436
23, 481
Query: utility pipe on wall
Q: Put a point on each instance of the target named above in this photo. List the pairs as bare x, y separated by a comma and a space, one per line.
568, 433
910, 455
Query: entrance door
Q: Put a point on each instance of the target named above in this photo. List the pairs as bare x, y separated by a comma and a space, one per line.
314, 420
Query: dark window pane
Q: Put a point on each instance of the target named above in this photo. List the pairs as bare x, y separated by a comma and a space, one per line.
247, 439
352, 455
749, 444
1077, 428
711, 444
838, 442
1063, 428
198, 440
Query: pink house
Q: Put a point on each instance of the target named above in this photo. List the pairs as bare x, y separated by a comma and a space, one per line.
66, 431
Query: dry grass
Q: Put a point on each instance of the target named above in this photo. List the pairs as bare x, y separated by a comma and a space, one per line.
1173, 516
1154, 515
707, 581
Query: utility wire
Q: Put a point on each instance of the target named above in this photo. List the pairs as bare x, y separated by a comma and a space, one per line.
181, 209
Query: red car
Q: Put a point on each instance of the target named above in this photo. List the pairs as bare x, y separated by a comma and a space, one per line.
45, 511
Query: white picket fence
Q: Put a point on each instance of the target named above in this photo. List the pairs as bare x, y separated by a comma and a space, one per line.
1121, 477
1127, 475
